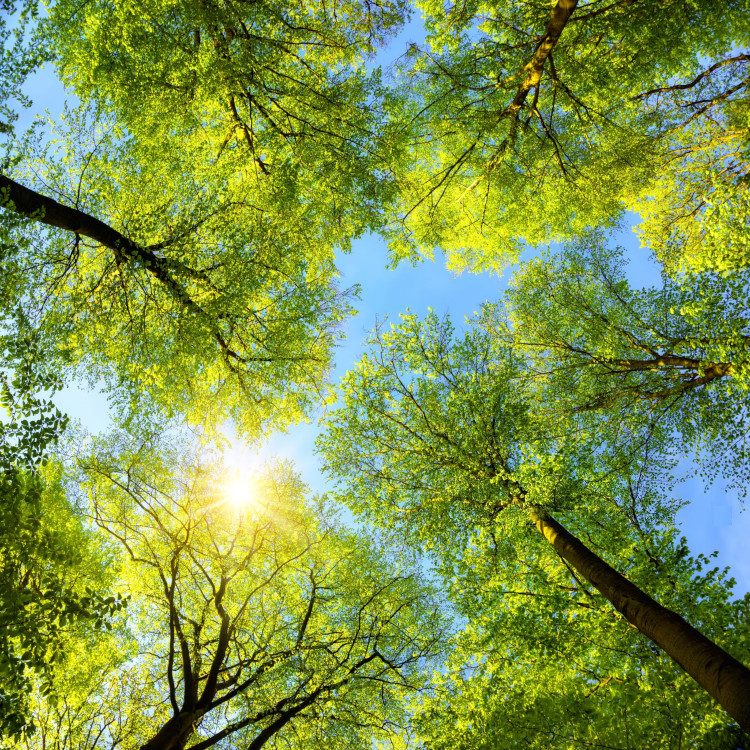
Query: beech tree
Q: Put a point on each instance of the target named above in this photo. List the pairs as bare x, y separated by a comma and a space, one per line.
530, 123
204, 311
249, 625
544, 661
671, 358
437, 437
192, 208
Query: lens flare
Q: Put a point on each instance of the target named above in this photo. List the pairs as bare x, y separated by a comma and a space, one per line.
239, 491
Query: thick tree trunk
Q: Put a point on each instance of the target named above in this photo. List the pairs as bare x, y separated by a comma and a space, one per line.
720, 674
175, 734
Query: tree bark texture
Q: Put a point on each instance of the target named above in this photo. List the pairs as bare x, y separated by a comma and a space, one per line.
559, 18
720, 674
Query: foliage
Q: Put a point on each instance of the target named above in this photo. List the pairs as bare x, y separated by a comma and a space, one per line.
436, 436
252, 622
223, 154
544, 662
530, 122
200, 306
696, 213
609, 357
282, 88
52, 580
231, 148
444, 441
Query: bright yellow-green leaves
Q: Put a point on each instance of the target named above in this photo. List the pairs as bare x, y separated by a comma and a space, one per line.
235, 145
244, 329
628, 365
270, 621
481, 177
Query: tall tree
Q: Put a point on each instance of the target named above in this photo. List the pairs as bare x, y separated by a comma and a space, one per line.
191, 222
545, 662
437, 437
530, 122
139, 275
256, 624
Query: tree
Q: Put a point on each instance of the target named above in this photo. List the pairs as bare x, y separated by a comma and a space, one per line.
198, 304
282, 88
437, 437
544, 661
672, 358
226, 154
529, 124
252, 623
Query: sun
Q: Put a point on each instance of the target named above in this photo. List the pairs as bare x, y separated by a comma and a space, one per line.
239, 491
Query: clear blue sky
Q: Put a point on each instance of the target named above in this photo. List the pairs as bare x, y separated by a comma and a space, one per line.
713, 520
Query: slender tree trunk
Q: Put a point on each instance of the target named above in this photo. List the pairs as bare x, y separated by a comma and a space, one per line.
22, 200
561, 13
720, 674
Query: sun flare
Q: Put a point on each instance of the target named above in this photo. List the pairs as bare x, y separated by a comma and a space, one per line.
239, 491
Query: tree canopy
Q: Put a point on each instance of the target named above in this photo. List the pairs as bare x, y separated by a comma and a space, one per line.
529, 123
498, 564
439, 439
246, 621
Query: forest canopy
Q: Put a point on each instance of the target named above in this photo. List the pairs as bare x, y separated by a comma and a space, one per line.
490, 554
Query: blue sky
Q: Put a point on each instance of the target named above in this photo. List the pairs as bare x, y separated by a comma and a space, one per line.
713, 518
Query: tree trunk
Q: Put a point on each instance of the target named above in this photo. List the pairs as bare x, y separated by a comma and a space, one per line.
720, 674
29, 203
174, 734
561, 13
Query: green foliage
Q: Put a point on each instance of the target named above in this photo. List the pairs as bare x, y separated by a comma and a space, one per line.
52, 581
435, 436
445, 441
223, 154
248, 622
234, 146
544, 662
670, 363
696, 213
487, 169
215, 316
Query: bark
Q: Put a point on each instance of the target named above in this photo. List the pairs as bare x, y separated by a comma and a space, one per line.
175, 733
720, 674
22, 200
39, 207
561, 14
